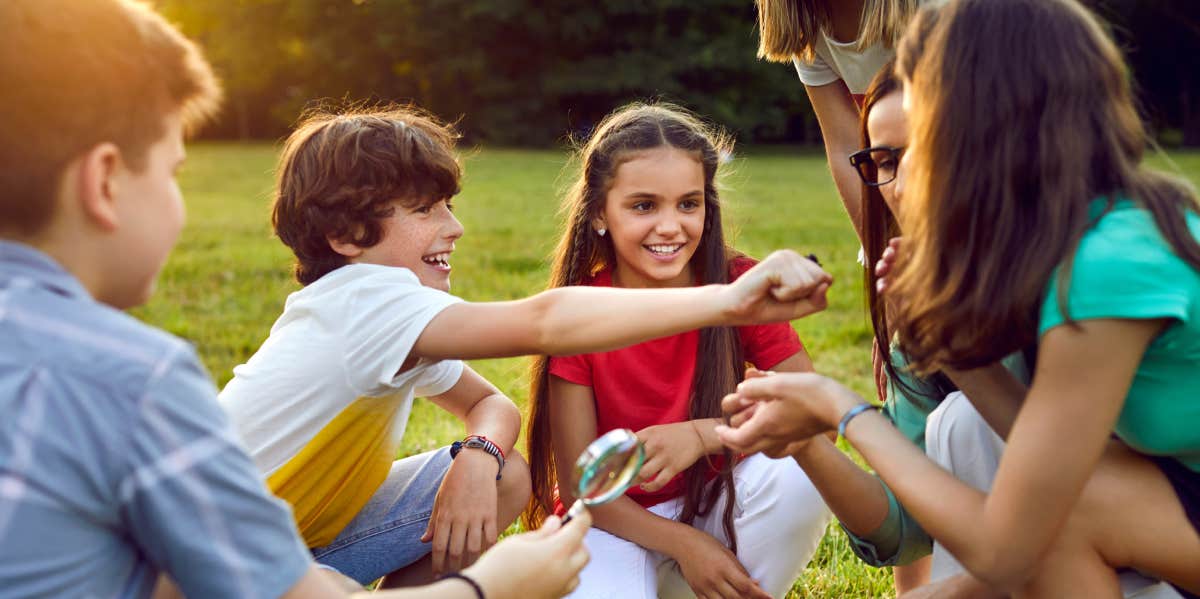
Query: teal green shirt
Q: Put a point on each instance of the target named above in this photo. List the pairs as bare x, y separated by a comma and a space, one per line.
1125, 269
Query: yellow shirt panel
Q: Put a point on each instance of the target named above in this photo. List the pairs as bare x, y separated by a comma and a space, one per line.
335, 474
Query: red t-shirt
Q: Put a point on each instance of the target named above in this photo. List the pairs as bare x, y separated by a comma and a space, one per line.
651, 383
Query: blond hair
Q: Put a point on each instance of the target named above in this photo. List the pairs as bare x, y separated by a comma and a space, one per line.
790, 28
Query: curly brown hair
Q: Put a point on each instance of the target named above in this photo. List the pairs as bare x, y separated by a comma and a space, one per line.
342, 172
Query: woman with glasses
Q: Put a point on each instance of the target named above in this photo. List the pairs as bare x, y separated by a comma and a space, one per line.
930, 411
881, 531
1030, 217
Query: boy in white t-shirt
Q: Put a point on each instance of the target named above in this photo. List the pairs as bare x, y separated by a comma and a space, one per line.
363, 202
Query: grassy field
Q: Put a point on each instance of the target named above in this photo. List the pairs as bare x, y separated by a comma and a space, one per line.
227, 280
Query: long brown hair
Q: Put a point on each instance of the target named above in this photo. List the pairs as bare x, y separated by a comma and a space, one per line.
1021, 115
582, 253
878, 226
790, 28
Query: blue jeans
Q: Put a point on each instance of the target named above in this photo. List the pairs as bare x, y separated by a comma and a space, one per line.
385, 536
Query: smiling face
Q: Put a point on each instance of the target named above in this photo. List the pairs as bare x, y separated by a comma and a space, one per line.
887, 125
654, 214
418, 237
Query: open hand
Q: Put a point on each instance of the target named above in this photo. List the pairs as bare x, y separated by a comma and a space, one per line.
713, 571
463, 523
541, 564
670, 449
784, 286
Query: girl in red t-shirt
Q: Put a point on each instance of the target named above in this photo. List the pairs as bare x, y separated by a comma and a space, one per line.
645, 213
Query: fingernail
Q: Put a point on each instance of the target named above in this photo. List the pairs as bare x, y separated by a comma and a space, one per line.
879, 286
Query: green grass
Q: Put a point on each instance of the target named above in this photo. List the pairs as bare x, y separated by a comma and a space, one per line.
227, 280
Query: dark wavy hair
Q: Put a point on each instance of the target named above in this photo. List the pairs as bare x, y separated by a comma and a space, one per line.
342, 172
879, 225
581, 253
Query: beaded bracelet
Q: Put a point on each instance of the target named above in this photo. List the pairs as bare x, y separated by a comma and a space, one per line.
850, 414
479, 442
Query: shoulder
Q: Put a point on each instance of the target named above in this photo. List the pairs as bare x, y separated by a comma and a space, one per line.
1123, 267
738, 265
92, 339
358, 276
1126, 237
360, 290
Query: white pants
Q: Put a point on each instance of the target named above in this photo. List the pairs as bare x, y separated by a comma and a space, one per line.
959, 440
778, 516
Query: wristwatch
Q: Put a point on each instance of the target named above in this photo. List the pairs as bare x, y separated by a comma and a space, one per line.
479, 442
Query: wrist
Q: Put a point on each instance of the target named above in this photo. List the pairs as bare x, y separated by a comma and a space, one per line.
837, 407
461, 584
480, 444
677, 540
701, 429
723, 300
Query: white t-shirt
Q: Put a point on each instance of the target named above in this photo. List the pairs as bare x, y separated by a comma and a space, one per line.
323, 399
841, 60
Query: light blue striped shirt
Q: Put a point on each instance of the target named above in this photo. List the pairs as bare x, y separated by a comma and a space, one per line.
116, 461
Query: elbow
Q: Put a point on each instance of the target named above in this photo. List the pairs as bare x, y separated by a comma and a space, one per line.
1003, 570
544, 338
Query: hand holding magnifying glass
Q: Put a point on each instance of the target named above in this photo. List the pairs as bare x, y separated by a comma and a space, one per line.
606, 469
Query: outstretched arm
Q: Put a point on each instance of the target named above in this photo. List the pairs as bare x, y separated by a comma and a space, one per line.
1082, 377
542, 564
574, 320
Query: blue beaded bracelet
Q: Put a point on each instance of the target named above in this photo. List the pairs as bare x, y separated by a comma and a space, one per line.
851, 413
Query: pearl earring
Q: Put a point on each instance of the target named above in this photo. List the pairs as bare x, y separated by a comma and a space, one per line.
601, 231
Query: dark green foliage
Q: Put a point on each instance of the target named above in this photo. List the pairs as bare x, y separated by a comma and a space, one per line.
533, 72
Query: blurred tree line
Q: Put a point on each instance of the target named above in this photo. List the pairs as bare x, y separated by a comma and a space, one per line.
530, 72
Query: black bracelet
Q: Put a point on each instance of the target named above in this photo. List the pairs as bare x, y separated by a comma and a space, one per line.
466, 579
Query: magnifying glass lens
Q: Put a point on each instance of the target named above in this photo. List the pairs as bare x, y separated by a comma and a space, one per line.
606, 469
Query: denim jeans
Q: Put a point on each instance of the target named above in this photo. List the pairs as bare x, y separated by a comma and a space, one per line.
385, 536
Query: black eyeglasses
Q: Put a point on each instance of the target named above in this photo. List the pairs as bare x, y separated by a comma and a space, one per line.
877, 165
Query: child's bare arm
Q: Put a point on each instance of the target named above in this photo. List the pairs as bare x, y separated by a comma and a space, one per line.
464, 520
573, 320
482, 408
708, 566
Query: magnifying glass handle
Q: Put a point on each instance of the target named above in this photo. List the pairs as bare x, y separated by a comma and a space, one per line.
576, 509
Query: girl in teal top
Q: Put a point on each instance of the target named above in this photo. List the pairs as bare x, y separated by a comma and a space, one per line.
1029, 219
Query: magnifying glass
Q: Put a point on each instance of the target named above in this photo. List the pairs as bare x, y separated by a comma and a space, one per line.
606, 469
